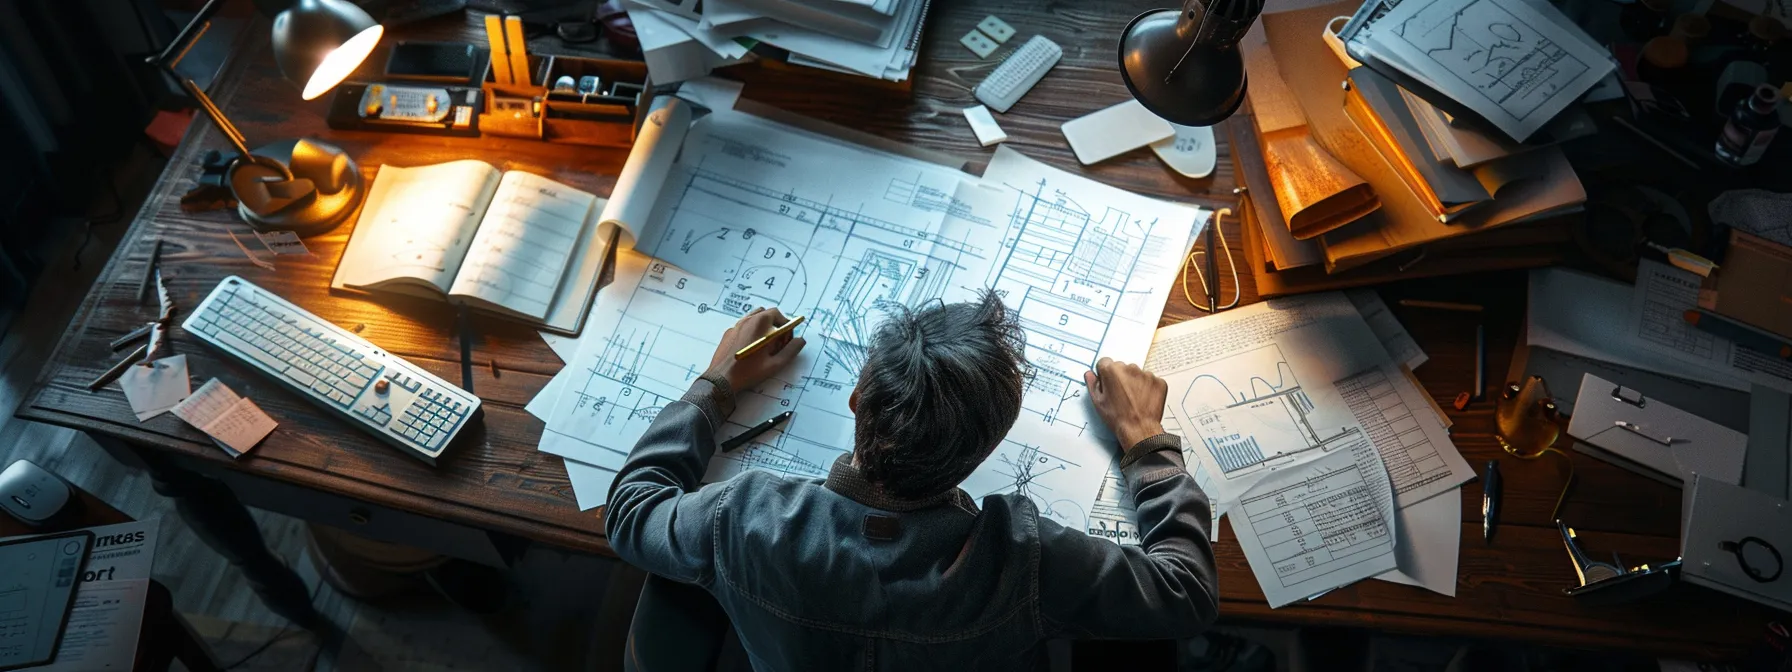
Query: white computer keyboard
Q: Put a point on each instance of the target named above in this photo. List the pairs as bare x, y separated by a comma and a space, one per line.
377, 392
1018, 73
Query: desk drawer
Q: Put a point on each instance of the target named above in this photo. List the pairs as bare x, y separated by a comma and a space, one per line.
362, 519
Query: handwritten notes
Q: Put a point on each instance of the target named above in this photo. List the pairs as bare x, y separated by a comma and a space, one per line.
234, 422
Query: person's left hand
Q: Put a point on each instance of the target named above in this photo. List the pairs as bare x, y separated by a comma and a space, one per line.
745, 374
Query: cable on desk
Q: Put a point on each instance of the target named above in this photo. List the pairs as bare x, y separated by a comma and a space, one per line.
1189, 263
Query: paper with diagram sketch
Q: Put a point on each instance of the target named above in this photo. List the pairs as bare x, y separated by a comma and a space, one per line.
1265, 387
1515, 63
756, 213
511, 243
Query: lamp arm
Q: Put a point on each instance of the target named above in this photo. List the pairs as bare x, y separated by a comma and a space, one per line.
177, 48
230, 132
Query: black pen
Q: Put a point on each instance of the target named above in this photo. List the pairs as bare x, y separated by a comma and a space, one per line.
1490, 500
754, 431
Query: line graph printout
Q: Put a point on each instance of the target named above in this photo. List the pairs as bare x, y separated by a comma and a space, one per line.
1088, 268
1272, 386
1321, 527
754, 214
1515, 63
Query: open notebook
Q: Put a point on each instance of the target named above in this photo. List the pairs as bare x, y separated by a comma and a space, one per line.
511, 243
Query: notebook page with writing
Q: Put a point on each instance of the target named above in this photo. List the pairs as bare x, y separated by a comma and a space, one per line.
519, 256
417, 224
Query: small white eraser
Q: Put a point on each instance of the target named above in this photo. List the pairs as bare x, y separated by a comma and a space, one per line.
978, 43
984, 125
1107, 133
996, 29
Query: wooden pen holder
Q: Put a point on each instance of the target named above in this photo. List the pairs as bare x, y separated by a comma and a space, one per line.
536, 111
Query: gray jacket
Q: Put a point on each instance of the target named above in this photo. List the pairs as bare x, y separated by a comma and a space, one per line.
837, 574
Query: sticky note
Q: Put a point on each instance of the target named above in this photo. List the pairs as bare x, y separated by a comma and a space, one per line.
155, 387
235, 423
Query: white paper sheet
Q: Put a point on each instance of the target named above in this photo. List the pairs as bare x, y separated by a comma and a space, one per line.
1658, 304
103, 627
1316, 528
234, 422
1266, 387
520, 252
1589, 316
1516, 64
1088, 267
121, 552
1387, 328
714, 93
1428, 544
563, 346
154, 387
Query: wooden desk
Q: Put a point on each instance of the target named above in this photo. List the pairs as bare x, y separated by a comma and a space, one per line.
495, 485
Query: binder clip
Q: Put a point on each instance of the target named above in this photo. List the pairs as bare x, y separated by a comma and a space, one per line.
1603, 583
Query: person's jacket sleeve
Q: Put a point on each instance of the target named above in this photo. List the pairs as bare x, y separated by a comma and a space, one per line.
659, 517
1163, 588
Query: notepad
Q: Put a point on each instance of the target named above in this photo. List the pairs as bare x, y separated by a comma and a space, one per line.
511, 243
233, 421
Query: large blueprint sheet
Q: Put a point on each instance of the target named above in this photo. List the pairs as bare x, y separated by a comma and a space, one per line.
756, 213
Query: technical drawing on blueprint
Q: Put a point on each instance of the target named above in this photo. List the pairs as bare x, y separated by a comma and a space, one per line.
1088, 268
754, 214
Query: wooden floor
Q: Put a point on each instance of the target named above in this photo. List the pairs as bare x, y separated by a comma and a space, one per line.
559, 617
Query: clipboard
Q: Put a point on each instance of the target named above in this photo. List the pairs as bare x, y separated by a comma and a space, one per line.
1623, 426
42, 575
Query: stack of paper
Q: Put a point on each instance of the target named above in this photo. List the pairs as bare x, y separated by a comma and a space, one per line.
873, 38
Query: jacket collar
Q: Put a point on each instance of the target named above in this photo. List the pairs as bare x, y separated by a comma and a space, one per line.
846, 480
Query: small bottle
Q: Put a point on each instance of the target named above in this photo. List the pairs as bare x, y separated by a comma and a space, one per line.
1750, 128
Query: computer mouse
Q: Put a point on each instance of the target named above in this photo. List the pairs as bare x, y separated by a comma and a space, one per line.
33, 494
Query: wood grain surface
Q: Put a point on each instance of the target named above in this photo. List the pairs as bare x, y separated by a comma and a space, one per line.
494, 479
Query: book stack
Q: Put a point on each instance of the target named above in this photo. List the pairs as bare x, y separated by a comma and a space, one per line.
1457, 191
683, 39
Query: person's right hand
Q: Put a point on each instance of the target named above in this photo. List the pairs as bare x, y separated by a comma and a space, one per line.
746, 374
1129, 399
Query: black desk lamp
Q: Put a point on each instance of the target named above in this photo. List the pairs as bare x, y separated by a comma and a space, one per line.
299, 185
1184, 65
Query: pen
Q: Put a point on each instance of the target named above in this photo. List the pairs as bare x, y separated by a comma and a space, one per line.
466, 350
755, 346
1480, 362
1744, 335
754, 431
1213, 285
149, 273
1442, 305
1490, 500
119, 368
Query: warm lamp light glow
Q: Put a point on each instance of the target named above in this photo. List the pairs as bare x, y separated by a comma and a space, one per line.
342, 61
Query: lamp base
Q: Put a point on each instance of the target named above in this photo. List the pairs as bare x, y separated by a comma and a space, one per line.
325, 187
